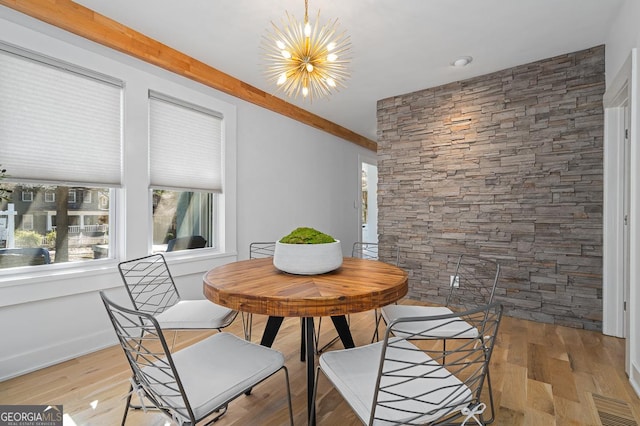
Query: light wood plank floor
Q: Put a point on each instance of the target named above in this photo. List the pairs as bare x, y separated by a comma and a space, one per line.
542, 375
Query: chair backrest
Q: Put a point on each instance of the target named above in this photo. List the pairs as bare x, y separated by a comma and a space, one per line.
150, 360
365, 250
472, 282
370, 251
149, 283
419, 383
186, 243
259, 250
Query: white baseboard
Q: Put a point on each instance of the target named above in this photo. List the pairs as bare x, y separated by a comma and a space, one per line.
27, 362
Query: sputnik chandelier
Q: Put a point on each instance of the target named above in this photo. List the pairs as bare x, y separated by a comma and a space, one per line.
307, 59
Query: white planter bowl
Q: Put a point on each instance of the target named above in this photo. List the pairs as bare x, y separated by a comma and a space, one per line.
307, 259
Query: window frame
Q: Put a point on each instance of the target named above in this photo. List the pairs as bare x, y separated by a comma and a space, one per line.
26, 196
193, 112
27, 218
73, 70
126, 207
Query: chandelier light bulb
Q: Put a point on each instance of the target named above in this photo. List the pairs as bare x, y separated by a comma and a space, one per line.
302, 56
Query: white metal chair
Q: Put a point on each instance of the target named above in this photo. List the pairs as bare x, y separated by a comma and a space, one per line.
152, 290
471, 282
191, 384
407, 379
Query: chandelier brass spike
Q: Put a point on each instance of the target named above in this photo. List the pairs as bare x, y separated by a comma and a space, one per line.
305, 58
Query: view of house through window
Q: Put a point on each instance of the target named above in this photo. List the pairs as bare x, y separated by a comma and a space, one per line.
55, 224
182, 220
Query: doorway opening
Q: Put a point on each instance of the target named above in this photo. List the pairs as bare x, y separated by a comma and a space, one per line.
368, 209
617, 301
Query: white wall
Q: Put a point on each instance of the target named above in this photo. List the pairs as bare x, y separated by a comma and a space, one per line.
623, 37
290, 175
287, 175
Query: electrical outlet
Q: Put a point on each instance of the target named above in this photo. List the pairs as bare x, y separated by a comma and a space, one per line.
454, 281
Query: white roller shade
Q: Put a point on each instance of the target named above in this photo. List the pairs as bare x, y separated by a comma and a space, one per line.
185, 145
58, 123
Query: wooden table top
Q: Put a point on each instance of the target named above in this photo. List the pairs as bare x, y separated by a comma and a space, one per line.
258, 287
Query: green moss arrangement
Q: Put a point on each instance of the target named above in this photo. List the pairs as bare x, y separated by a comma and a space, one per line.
307, 236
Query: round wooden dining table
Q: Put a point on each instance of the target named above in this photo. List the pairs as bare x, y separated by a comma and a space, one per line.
256, 286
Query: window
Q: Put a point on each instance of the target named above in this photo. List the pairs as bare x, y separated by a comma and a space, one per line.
59, 140
27, 222
85, 230
103, 200
185, 146
86, 196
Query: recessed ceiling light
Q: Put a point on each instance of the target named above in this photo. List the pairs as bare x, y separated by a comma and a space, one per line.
462, 61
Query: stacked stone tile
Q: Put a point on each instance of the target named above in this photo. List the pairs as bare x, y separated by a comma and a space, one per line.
507, 165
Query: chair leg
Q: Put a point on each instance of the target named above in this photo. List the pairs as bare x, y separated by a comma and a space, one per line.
247, 323
173, 342
376, 334
318, 349
286, 379
223, 410
492, 418
312, 413
127, 405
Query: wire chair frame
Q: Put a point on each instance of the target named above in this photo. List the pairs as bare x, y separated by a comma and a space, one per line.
150, 284
365, 250
468, 281
150, 360
415, 381
468, 363
261, 249
473, 283
155, 376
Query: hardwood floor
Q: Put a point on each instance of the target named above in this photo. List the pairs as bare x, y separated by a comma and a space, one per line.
542, 375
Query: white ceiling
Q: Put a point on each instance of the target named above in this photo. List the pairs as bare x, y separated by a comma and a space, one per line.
398, 46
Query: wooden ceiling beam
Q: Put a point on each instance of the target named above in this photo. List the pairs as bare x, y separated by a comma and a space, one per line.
86, 23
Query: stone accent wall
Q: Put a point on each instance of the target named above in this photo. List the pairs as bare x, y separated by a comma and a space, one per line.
509, 166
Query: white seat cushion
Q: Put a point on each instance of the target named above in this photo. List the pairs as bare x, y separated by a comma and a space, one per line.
219, 368
453, 328
195, 314
353, 372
